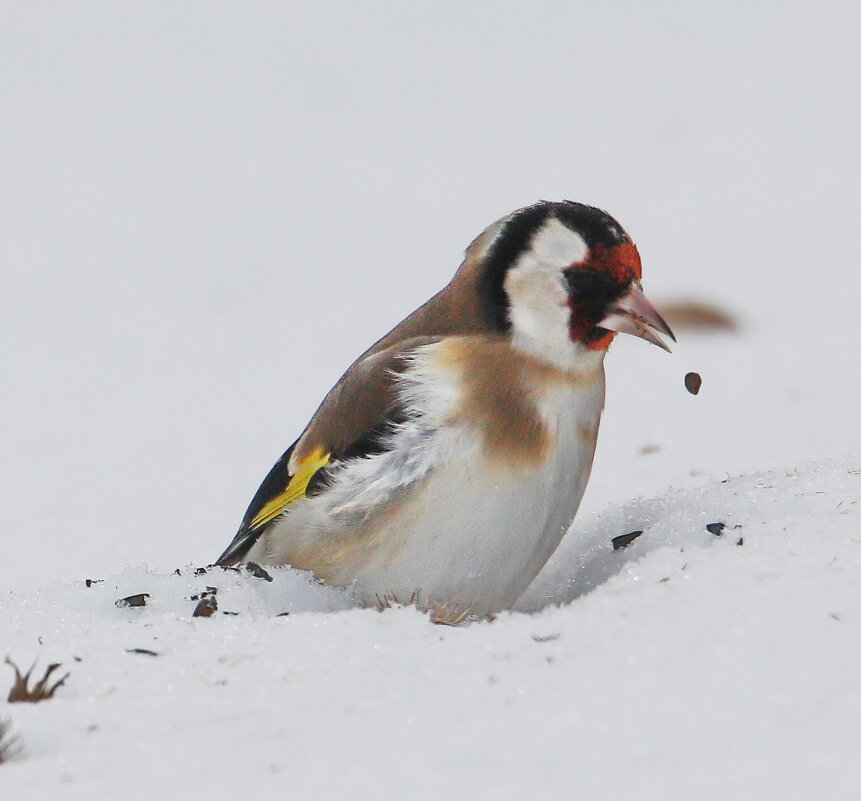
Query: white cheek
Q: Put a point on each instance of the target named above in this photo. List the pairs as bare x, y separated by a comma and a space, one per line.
539, 313
538, 295
535, 292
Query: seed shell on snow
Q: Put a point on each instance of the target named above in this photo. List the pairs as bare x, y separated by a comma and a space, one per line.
206, 607
139, 599
258, 572
624, 540
205, 594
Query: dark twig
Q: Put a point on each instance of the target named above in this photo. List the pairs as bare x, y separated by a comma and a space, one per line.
10, 742
40, 691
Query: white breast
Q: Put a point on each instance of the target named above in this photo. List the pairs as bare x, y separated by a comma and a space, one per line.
475, 535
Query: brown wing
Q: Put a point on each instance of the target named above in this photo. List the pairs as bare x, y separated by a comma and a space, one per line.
352, 421
361, 406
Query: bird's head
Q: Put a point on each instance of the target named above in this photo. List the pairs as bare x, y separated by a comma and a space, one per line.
557, 275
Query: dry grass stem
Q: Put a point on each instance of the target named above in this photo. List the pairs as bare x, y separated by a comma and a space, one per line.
40, 691
10, 743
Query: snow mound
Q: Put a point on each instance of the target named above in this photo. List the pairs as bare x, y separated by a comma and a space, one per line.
706, 665
771, 514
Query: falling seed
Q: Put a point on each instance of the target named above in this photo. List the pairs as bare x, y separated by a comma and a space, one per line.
133, 600
715, 528
624, 540
143, 651
693, 382
258, 572
545, 637
206, 607
90, 582
740, 541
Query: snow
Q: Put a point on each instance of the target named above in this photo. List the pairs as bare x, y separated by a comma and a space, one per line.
686, 665
209, 211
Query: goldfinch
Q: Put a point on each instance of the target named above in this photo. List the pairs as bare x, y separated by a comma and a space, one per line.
447, 463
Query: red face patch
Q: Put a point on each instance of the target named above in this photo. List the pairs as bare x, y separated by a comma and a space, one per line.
581, 330
620, 262
603, 343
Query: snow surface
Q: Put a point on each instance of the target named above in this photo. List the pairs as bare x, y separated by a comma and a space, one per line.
209, 210
690, 666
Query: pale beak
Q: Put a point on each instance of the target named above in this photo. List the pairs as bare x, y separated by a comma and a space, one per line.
634, 314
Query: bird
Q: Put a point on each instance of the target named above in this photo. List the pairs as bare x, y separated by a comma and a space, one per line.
446, 464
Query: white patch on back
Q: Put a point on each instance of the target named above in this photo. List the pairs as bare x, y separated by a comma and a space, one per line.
538, 295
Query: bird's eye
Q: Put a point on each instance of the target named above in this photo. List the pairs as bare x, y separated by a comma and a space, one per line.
596, 290
578, 280
581, 282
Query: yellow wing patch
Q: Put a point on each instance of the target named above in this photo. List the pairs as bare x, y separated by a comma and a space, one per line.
294, 490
